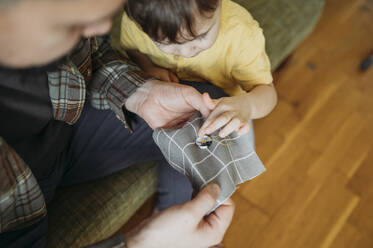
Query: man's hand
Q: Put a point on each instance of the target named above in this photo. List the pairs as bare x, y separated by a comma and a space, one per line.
163, 104
186, 225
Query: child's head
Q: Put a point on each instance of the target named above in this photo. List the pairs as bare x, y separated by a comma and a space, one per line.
179, 27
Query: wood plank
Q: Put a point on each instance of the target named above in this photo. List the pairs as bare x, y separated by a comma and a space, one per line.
340, 223
347, 238
247, 220
362, 183
308, 215
362, 179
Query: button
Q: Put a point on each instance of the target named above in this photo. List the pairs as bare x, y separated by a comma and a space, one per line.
203, 142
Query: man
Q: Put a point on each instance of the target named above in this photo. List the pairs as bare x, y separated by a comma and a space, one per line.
48, 132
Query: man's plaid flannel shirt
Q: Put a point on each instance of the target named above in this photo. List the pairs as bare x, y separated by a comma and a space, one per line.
93, 71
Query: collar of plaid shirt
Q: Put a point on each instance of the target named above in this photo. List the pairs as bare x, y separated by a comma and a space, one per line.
111, 81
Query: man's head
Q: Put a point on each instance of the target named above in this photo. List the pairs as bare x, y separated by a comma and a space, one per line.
37, 32
179, 27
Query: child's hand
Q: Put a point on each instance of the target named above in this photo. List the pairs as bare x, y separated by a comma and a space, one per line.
232, 113
162, 74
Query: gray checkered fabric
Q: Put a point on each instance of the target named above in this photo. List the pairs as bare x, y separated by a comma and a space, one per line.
226, 162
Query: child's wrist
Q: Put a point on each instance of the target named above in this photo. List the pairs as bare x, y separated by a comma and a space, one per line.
247, 106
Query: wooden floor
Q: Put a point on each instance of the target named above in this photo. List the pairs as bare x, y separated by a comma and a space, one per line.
317, 144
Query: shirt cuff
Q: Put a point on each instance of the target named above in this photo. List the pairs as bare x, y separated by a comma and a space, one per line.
120, 90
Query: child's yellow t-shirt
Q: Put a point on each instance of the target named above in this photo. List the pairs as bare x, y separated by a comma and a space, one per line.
236, 62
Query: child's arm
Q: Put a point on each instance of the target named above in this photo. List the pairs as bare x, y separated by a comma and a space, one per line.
233, 113
250, 66
150, 68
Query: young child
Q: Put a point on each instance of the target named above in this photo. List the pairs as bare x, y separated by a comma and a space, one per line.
209, 41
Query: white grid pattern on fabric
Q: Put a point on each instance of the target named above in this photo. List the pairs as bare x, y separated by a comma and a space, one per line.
213, 164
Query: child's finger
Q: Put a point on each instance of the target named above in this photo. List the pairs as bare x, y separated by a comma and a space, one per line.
244, 129
232, 126
216, 111
210, 119
219, 122
212, 116
173, 77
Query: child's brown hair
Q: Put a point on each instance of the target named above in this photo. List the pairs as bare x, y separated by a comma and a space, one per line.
162, 19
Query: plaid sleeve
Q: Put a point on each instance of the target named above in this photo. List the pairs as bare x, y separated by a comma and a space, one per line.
21, 200
67, 91
114, 79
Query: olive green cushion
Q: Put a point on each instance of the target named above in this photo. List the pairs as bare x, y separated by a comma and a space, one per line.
87, 213
84, 214
285, 23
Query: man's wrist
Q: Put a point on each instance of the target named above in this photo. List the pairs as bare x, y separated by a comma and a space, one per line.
134, 102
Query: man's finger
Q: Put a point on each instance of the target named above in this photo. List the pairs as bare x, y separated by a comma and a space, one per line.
194, 99
204, 201
208, 101
180, 121
221, 218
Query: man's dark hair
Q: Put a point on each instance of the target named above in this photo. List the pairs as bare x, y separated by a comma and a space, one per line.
162, 19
